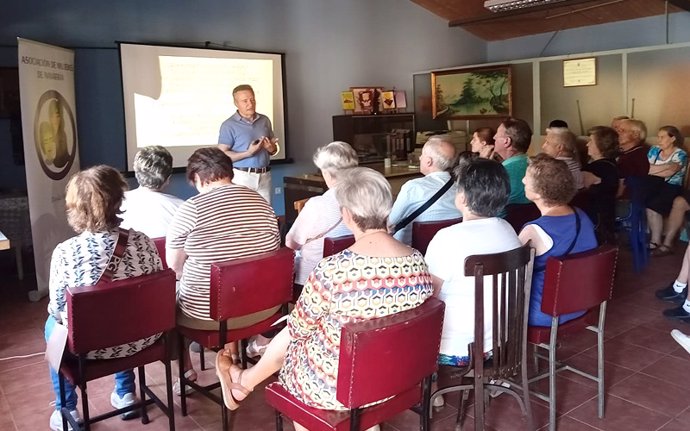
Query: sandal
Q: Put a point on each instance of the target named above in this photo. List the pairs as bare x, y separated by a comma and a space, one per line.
653, 246
661, 251
226, 383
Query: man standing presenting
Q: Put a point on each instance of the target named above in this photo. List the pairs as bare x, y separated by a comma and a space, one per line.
511, 142
247, 138
438, 157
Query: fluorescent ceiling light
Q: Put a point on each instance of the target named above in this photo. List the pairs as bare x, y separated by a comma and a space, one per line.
505, 5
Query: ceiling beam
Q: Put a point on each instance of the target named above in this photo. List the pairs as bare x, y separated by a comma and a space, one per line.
490, 16
683, 4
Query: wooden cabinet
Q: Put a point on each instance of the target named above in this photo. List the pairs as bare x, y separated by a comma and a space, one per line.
376, 137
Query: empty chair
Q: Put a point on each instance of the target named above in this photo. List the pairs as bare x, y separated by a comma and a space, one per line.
332, 246
510, 276
376, 362
240, 287
96, 321
579, 281
423, 232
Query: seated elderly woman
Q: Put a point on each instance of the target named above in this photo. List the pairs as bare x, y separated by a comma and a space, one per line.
559, 231
307, 351
483, 189
224, 221
667, 165
320, 217
560, 144
600, 177
92, 202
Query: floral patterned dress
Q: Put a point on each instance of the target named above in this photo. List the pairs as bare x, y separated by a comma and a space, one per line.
343, 288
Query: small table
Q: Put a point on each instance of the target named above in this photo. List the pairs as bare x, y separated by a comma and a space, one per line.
4, 242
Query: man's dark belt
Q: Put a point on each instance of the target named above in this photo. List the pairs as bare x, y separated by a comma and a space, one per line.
255, 170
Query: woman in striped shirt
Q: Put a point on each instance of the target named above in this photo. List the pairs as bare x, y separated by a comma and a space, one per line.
225, 221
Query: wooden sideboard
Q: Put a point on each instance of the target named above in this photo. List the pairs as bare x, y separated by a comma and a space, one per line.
308, 185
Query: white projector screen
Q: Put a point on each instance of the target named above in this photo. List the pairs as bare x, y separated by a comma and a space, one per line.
178, 97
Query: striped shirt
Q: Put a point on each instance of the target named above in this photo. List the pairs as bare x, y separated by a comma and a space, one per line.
226, 223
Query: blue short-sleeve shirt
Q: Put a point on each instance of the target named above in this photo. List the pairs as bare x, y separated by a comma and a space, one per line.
238, 133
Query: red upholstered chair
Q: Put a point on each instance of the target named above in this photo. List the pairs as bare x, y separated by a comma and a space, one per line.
240, 287
519, 214
424, 231
160, 246
335, 245
579, 281
379, 358
113, 313
510, 275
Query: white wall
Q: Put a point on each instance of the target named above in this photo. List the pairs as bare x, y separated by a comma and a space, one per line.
623, 34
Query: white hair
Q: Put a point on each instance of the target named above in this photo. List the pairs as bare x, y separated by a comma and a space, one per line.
441, 160
367, 195
335, 157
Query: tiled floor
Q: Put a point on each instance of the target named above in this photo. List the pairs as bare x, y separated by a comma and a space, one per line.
645, 370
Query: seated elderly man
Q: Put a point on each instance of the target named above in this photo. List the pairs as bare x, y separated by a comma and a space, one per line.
632, 160
560, 144
146, 208
438, 156
511, 142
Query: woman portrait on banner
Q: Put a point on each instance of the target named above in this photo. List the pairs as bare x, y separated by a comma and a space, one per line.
53, 137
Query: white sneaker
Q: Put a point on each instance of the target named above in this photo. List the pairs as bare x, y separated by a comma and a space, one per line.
682, 339
439, 402
493, 393
56, 420
177, 387
254, 349
120, 402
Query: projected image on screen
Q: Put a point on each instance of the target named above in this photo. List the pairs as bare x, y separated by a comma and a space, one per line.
178, 97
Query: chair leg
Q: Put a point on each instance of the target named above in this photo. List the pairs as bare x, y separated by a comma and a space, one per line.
20, 264
224, 416
180, 363
279, 421
552, 384
63, 400
426, 404
355, 419
535, 359
85, 407
525, 394
478, 402
461, 408
243, 352
142, 390
169, 394
202, 358
600, 369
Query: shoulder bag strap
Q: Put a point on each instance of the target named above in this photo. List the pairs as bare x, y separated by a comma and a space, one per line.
116, 257
324, 233
404, 222
577, 233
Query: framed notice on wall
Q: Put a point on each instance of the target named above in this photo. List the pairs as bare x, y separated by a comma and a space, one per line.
579, 72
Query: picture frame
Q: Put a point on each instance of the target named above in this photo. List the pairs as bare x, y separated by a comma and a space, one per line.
347, 100
580, 72
365, 97
484, 92
400, 99
387, 100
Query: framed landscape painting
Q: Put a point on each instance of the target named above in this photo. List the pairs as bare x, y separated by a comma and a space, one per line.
472, 93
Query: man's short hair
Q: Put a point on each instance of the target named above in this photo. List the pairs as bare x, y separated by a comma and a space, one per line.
242, 87
153, 167
637, 126
558, 123
440, 158
519, 132
485, 184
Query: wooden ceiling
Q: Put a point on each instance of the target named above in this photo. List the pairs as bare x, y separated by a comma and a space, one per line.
473, 17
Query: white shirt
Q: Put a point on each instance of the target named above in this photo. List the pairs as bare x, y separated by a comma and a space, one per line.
446, 258
414, 194
320, 218
148, 211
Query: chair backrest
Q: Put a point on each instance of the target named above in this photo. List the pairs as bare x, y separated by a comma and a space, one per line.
519, 214
511, 279
117, 312
251, 284
424, 231
385, 356
582, 200
579, 281
160, 246
335, 245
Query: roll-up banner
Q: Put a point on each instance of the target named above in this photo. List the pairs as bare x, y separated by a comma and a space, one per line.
49, 125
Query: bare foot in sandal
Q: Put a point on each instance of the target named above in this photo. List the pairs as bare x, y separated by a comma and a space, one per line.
230, 376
